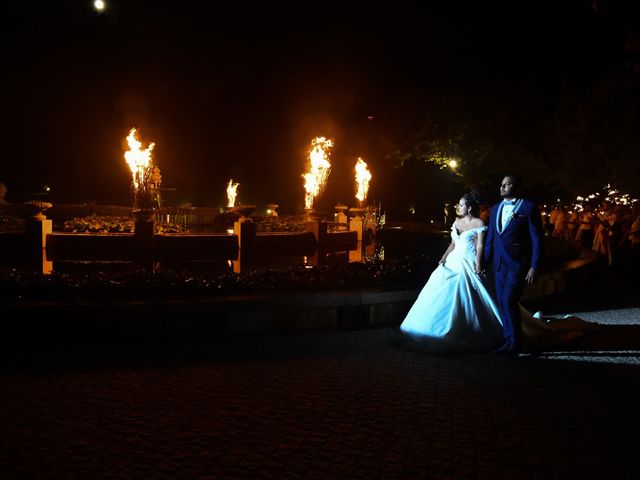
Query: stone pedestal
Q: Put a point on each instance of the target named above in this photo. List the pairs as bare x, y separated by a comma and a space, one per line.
244, 211
341, 216
309, 216
272, 210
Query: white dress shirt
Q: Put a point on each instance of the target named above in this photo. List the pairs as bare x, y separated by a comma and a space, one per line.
507, 211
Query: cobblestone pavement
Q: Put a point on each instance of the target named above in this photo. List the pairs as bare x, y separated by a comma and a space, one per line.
335, 405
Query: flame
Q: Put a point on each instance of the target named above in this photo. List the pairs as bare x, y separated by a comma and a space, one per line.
363, 177
316, 178
232, 193
139, 160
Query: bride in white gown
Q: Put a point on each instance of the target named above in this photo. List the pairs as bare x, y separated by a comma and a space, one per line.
455, 311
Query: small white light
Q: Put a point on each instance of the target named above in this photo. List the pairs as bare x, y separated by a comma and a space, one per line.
99, 5
230, 231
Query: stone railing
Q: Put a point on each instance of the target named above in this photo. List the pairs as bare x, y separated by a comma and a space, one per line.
38, 246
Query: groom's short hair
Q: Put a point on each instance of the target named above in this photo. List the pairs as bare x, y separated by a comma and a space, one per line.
516, 179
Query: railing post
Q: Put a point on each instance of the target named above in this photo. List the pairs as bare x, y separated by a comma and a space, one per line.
37, 227
357, 222
144, 238
319, 230
246, 232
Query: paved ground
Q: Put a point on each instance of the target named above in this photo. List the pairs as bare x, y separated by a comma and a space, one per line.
340, 405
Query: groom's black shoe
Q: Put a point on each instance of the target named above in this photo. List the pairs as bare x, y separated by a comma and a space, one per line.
509, 348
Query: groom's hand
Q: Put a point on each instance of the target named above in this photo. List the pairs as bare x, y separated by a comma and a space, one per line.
531, 276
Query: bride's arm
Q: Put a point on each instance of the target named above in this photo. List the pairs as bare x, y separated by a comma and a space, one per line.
479, 251
446, 253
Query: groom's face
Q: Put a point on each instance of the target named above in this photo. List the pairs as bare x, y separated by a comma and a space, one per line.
507, 189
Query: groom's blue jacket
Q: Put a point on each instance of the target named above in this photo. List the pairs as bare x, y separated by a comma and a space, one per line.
519, 246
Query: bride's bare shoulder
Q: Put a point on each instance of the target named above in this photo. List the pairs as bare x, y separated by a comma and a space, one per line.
477, 223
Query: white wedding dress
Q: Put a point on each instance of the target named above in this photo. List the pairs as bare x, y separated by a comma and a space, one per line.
455, 312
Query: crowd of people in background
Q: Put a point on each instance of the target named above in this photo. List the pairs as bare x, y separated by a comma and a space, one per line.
609, 229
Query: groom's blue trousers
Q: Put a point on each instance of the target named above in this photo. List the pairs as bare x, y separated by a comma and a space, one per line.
509, 288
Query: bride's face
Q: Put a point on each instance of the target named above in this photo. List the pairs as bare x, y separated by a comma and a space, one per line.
462, 209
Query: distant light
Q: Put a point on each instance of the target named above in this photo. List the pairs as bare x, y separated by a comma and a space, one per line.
412, 210
453, 164
47, 188
99, 5
230, 231
431, 221
370, 117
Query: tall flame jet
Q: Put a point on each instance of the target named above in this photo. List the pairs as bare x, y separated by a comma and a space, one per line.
316, 178
363, 177
232, 193
139, 160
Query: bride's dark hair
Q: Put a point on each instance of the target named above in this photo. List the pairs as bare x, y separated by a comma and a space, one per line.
473, 200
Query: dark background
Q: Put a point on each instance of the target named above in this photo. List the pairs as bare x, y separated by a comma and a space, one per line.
238, 91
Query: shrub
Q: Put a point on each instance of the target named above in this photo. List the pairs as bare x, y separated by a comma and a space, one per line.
18, 286
106, 224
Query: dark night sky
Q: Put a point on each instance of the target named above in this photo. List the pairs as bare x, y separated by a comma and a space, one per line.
238, 91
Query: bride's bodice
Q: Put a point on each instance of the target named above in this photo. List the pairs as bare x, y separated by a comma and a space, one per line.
464, 245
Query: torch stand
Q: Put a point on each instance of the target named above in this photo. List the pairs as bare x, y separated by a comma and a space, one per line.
340, 217
308, 215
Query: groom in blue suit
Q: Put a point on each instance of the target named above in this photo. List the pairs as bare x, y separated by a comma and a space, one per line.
514, 246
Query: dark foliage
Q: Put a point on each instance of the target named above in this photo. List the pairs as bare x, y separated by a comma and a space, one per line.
19, 286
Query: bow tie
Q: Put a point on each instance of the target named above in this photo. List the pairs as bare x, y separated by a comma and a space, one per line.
509, 202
